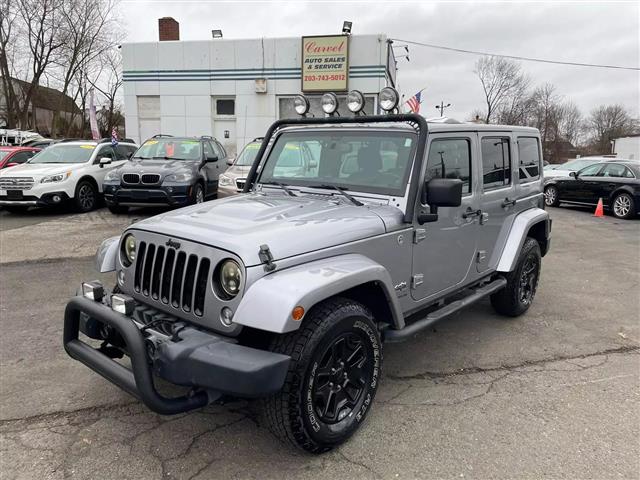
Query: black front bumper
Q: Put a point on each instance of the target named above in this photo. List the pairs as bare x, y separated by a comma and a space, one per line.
178, 195
210, 364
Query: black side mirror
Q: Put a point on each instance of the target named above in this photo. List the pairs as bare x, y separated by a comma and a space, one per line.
440, 192
213, 158
573, 174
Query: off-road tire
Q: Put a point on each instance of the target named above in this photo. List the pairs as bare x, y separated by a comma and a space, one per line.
292, 414
16, 210
623, 206
516, 297
118, 209
86, 197
551, 196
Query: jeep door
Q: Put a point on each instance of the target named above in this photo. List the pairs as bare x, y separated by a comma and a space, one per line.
497, 202
444, 250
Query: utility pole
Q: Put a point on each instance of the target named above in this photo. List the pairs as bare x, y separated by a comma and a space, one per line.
441, 107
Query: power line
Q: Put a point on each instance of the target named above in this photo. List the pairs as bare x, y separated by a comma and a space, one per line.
515, 57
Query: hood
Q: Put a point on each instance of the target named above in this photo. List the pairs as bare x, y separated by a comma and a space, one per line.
289, 225
557, 173
238, 171
41, 169
163, 167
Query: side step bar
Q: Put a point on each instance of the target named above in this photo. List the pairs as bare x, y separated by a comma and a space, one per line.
395, 336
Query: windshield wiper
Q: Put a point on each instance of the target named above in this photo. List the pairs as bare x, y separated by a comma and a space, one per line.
342, 191
142, 158
282, 186
167, 158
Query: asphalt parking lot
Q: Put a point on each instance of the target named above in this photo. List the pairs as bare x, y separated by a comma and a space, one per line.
554, 393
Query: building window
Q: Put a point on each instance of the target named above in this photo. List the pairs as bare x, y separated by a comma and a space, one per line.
225, 106
529, 157
496, 162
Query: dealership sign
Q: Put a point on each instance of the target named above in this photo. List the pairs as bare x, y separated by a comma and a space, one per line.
325, 63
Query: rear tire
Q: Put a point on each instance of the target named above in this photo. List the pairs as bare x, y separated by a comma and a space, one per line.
623, 206
516, 298
86, 197
118, 209
551, 196
336, 362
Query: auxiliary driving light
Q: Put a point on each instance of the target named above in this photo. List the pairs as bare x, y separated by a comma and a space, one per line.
388, 98
301, 104
226, 316
355, 101
93, 290
329, 103
122, 303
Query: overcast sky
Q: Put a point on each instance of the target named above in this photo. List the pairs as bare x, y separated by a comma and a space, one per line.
586, 32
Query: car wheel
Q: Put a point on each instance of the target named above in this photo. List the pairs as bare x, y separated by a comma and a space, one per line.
623, 206
336, 362
198, 194
516, 297
117, 209
86, 197
551, 196
16, 210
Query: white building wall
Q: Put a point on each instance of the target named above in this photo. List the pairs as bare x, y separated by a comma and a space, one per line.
627, 147
188, 76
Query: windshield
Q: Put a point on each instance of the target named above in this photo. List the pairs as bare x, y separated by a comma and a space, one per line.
170, 149
64, 154
248, 154
365, 161
575, 165
3, 153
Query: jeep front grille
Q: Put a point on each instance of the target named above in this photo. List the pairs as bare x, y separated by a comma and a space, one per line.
172, 277
16, 183
130, 178
150, 178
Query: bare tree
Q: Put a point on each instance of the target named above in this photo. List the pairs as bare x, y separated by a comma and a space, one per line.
571, 123
8, 46
109, 88
503, 82
607, 122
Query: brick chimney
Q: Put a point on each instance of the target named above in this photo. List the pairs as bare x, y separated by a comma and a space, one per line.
168, 29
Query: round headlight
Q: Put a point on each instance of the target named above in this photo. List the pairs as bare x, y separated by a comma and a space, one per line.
128, 250
388, 98
329, 103
230, 277
301, 104
355, 101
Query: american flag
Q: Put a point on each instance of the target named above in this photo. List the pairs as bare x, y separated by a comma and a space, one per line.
114, 136
414, 103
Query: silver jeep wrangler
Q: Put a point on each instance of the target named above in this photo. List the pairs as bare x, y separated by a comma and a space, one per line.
287, 291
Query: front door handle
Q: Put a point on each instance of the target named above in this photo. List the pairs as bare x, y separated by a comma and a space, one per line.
470, 213
508, 203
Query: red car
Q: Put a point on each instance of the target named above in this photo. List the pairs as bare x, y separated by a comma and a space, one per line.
10, 156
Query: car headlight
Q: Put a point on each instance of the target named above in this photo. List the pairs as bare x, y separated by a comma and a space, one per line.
178, 177
230, 278
112, 175
58, 177
128, 250
225, 181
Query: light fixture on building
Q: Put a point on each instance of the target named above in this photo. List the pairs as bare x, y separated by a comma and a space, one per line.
346, 27
216, 33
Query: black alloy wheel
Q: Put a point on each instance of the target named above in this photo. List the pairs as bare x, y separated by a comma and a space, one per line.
86, 197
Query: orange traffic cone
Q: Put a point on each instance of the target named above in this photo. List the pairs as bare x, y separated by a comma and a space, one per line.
599, 209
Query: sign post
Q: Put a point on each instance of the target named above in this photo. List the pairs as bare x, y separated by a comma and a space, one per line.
325, 63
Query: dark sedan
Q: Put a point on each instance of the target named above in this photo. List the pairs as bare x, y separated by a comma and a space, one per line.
616, 182
166, 170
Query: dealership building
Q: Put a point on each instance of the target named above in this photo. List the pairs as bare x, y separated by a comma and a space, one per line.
234, 89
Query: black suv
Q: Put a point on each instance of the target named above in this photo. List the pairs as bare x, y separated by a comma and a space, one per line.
166, 170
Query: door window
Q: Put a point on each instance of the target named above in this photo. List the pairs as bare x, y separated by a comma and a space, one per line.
220, 151
208, 151
615, 170
124, 152
450, 158
529, 157
106, 152
590, 171
496, 162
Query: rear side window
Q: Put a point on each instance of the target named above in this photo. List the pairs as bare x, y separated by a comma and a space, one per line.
496, 162
450, 158
616, 170
529, 156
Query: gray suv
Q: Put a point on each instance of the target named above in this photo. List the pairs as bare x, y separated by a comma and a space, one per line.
288, 291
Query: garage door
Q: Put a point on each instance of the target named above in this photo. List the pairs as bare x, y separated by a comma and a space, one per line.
148, 116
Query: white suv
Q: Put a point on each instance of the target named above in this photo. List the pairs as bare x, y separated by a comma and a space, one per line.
66, 171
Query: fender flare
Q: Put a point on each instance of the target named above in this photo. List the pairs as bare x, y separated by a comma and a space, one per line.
267, 303
107, 255
517, 234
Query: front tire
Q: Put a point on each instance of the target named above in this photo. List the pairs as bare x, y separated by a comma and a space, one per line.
516, 298
551, 196
198, 194
86, 197
623, 206
336, 362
